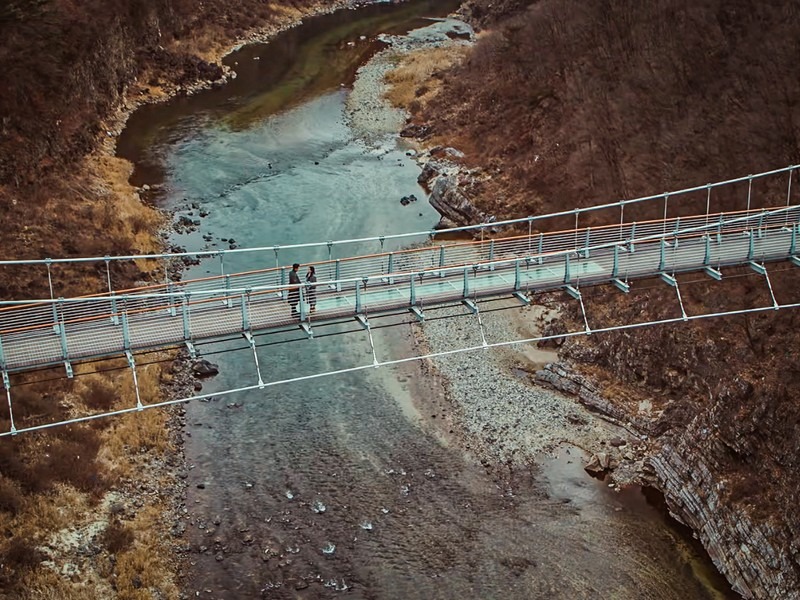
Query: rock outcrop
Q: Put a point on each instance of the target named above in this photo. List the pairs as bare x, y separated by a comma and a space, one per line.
449, 186
749, 553
745, 543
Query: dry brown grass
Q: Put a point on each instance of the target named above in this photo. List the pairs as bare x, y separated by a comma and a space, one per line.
58, 484
141, 570
414, 82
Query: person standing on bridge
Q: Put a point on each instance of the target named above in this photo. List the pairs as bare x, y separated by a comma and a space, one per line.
311, 292
294, 292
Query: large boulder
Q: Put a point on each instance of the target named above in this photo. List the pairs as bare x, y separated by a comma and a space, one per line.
203, 368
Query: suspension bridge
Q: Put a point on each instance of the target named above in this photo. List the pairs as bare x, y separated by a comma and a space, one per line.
516, 259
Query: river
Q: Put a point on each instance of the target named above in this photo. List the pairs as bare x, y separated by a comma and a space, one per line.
342, 486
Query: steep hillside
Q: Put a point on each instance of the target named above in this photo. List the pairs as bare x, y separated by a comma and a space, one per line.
571, 103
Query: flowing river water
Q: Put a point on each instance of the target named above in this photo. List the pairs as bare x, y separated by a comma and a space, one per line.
339, 487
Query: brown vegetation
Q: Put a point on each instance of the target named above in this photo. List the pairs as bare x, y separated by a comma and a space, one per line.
572, 104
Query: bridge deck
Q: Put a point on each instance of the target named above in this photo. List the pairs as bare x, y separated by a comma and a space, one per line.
44, 334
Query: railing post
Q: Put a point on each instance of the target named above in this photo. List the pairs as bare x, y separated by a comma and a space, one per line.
632, 248
751, 247
56, 326
761, 224
441, 260
171, 299
793, 247
358, 298
114, 318
187, 331
586, 245
337, 275
390, 267
412, 297
228, 300
491, 254
517, 276
541, 245
2, 357
677, 228
707, 257
245, 311
662, 255
567, 277
285, 291
126, 330
466, 282
301, 294
615, 268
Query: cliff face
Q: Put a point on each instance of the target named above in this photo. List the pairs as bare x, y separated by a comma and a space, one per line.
570, 104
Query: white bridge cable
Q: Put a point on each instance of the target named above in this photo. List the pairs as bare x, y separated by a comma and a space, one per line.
418, 234
399, 361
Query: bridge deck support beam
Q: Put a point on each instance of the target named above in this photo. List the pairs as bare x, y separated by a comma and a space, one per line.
621, 285
795, 260
713, 273
522, 298
668, 279
417, 312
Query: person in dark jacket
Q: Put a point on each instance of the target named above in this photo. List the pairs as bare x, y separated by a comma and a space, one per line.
311, 292
294, 292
